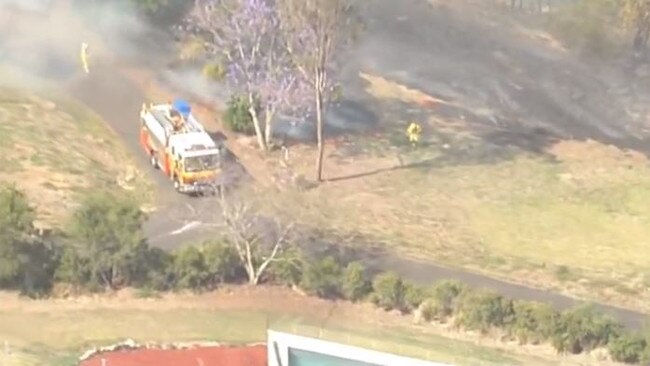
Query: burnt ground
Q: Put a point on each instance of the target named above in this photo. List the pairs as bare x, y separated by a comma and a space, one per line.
495, 78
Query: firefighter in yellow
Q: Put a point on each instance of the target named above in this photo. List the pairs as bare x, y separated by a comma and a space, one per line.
84, 57
413, 132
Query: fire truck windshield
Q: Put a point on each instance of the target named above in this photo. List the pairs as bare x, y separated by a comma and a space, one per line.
201, 163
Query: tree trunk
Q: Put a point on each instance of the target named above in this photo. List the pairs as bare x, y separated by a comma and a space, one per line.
319, 127
268, 127
256, 123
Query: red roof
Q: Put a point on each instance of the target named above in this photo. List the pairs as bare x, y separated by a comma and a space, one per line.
205, 356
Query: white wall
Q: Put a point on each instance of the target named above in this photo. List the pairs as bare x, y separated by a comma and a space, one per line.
285, 341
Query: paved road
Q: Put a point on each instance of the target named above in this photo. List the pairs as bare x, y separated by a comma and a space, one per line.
118, 101
104, 90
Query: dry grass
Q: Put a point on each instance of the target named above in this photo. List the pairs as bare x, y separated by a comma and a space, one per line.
55, 150
523, 217
242, 316
574, 218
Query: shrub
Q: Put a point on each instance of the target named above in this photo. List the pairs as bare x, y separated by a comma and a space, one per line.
214, 71
222, 263
483, 310
645, 355
583, 329
628, 348
288, 269
414, 295
189, 268
534, 322
158, 270
323, 278
106, 233
389, 291
355, 284
428, 310
443, 300
237, 117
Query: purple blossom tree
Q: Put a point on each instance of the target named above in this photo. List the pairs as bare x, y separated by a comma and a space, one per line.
246, 34
315, 32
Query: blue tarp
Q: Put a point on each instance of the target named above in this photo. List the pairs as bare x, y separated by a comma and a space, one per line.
182, 107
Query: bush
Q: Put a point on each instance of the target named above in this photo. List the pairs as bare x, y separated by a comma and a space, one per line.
583, 329
628, 348
106, 235
355, 284
414, 295
222, 263
534, 322
484, 310
158, 275
288, 269
214, 71
323, 278
237, 117
389, 291
443, 300
189, 269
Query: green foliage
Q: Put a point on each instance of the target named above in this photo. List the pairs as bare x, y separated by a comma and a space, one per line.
73, 269
287, 269
147, 293
156, 271
355, 284
16, 225
484, 310
26, 261
389, 291
237, 117
443, 300
107, 237
222, 262
414, 295
190, 269
534, 322
214, 71
628, 348
323, 278
583, 329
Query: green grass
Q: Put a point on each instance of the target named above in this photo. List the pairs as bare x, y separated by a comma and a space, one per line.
69, 333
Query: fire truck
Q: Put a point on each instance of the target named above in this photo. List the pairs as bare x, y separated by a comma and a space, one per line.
180, 147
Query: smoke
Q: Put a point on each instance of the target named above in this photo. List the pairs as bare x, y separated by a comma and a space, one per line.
26, 5
42, 38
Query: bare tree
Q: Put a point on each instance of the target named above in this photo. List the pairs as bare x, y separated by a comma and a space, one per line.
257, 240
314, 31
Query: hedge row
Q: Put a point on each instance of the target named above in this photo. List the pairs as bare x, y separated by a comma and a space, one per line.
576, 330
104, 249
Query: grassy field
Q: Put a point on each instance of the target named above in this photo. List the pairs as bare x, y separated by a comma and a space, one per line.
56, 334
573, 216
56, 150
